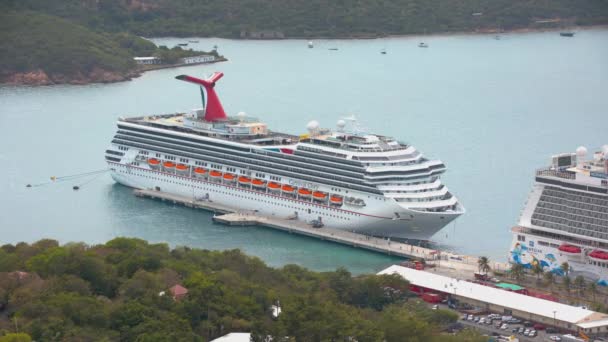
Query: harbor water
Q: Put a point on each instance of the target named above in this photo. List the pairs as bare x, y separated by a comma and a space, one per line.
492, 109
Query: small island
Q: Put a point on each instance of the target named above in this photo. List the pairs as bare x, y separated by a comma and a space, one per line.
39, 49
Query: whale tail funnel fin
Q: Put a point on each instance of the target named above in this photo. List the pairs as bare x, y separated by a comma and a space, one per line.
213, 108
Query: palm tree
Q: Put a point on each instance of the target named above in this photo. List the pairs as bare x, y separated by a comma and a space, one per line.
549, 279
483, 264
567, 283
565, 267
517, 271
579, 282
593, 289
537, 270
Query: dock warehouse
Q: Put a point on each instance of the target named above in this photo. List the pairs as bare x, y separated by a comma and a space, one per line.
500, 301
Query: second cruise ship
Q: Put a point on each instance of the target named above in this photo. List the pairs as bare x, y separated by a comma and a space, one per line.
565, 219
348, 179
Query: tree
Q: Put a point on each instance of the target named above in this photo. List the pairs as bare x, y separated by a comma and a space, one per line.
537, 270
517, 272
567, 282
483, 264
565, 267
18, 337
579, 282
593, 289
549, 279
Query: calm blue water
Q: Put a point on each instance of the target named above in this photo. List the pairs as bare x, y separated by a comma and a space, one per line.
492, 110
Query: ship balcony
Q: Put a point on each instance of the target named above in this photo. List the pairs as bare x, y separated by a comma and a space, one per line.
555, 173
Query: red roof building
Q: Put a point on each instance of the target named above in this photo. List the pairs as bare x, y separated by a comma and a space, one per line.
178, 292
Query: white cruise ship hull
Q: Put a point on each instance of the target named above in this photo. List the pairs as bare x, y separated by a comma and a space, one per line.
376, 218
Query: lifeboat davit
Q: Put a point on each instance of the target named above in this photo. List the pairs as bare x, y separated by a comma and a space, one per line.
304, 193
169, 166
337, 200
274, 186
200, 172
154, 163
229, 177
244, 180
258, 183
215, 174
599, 256
181, 168
319, 196
570, 249
288, 189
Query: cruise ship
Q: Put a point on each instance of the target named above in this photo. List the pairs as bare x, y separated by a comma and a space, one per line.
565, 218
344, 178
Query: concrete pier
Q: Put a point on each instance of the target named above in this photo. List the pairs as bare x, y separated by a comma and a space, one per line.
234, 217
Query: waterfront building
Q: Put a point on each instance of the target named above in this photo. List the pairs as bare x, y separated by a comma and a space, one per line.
147, 60
344, 178
197, 59
508, 303
565, 218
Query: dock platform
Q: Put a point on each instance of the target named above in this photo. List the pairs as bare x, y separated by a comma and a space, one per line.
235, 217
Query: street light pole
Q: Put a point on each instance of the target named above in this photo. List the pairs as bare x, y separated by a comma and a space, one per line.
555, 325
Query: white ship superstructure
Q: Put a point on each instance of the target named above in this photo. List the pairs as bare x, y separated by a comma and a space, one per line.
565, 218
348, 179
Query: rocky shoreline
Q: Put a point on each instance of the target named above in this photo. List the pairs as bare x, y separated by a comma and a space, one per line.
41, 78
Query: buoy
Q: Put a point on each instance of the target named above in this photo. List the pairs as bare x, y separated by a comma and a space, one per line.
75, 187
53, 178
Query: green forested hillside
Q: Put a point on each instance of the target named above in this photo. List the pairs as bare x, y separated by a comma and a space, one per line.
112, 292
297, 18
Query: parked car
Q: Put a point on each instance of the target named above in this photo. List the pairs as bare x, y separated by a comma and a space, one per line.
504, 327
482, 320
520, 331
539, 326
532, 333
475, 319
435, 307
555, 338
470, 318
528, 324
551, 330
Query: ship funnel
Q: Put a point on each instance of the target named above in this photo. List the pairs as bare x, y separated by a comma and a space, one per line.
213, 107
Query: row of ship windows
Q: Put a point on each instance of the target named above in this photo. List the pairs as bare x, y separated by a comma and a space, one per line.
544, 221
577, 196
561, 207
600, 264
142, 174
566, 238
571, 220
564, 213
574, 204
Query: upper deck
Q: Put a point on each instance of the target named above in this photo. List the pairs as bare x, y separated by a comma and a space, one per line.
573, 170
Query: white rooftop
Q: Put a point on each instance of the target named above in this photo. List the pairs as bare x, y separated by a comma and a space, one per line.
511, 300
145, 58
234, 337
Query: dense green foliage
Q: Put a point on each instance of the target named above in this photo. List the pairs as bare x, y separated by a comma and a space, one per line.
31, 41
298, 18
110, 292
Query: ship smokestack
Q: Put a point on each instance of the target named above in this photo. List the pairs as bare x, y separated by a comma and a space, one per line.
214, 111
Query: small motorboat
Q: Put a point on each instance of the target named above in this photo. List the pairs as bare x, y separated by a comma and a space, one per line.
423, 45
566, 34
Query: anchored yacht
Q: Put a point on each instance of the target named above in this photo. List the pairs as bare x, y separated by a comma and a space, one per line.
345, 178
566, 217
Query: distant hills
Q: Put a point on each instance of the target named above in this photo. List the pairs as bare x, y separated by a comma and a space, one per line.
317, 18
81, 41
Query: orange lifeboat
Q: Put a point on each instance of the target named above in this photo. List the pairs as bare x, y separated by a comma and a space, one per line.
258, 183
181, 168
154, 163
274, 186
229, 177
288, 188
599, 256
334, 199
319, 196
199, 171
570, 249
168, 165
244, 180
304, 193
215, 174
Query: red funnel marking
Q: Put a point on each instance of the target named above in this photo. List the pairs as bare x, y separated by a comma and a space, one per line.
214, 110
